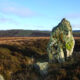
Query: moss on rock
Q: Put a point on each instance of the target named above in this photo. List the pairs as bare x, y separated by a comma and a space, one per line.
61, 42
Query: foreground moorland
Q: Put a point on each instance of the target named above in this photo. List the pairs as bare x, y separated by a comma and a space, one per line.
17, 54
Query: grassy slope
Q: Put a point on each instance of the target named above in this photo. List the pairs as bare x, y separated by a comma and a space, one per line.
16, 58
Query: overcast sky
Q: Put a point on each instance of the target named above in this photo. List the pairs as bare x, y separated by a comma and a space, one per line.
38, 14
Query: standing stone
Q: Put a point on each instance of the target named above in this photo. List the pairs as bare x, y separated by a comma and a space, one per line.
61, 42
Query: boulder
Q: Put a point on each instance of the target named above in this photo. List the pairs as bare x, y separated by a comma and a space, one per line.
41, 68
61, 42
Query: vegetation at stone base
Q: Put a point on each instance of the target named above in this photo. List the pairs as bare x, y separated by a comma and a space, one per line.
69, 70
16, 61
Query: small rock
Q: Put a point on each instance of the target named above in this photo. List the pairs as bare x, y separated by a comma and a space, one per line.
1, 77
41, 67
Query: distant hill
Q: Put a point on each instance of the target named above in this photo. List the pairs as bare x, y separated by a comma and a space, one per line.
23, 33
76, 33
76, 30
30, 33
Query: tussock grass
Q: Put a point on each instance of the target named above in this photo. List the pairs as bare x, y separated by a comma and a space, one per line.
18, 54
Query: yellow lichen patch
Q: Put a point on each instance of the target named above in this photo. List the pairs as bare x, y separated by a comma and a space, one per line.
69, 45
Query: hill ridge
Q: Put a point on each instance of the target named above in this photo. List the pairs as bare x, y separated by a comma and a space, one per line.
30, 33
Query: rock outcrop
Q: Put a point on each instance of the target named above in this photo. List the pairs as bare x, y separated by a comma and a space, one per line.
61, 42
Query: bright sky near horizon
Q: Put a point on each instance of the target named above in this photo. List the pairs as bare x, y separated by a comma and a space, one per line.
38, 14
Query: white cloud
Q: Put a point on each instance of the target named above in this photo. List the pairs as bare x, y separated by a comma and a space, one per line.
73, 16
76, 27
15, 9
4, 20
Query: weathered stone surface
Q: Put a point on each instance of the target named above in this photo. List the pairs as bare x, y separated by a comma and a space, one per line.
41, 67
61, 42
1, 77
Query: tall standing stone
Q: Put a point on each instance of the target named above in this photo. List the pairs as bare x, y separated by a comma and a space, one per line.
61, 42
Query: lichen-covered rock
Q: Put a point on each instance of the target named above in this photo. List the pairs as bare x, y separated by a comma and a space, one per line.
61, 42
41, 67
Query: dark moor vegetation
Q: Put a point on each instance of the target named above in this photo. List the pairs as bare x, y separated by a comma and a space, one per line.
30, 33
17, 57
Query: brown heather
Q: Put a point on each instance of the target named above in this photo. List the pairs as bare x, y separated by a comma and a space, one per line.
17, 54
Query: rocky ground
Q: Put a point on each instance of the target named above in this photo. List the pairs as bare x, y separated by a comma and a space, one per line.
18, 54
